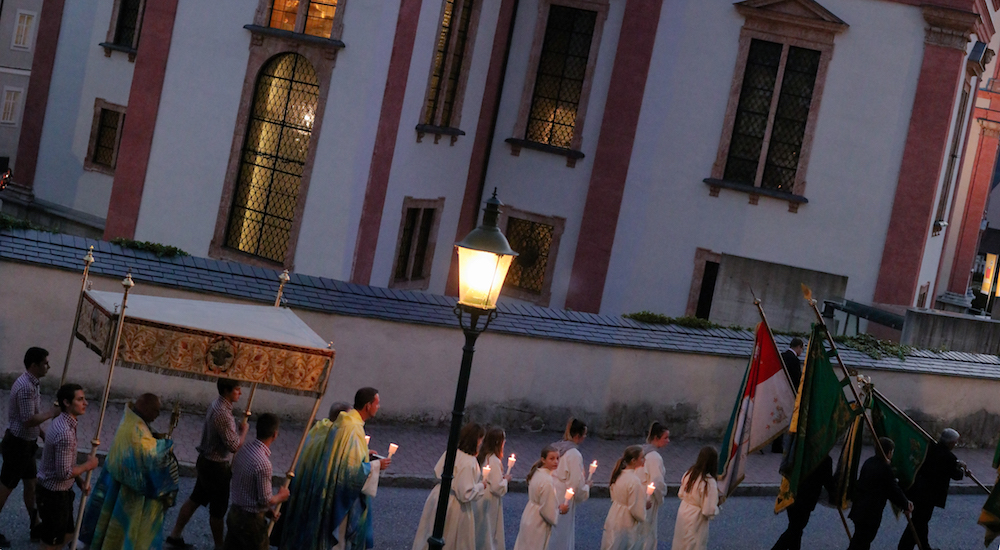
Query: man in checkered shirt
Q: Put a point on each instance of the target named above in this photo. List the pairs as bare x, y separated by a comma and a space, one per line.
252, 498
59, 471
220, 438
20, 442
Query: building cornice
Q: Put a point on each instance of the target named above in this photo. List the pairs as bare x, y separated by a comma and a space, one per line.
949, 28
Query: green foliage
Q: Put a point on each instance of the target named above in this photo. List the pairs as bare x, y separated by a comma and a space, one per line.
161, 250
10, 222
651, 318
873, 347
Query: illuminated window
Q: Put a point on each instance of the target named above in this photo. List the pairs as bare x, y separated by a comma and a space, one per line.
23, 31
11, 105
273, 157
415, 248
314, 18
452, 53
105, 137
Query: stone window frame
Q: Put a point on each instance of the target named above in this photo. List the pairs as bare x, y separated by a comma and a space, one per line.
573, 153
32, 29
109, 44
452, 129
701, 257
558, 228
790, 31
424, 282
95, 129
264, 46
262, 21
18, 105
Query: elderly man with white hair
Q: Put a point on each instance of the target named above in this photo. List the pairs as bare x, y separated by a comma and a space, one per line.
930, 488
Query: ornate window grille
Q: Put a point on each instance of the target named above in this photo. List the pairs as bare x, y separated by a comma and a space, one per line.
532, 241
273, 157
562, 69
453, 48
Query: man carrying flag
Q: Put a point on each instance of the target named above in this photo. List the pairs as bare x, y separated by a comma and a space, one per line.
990, 516
761, 413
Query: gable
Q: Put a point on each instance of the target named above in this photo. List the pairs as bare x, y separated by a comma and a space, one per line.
807, 13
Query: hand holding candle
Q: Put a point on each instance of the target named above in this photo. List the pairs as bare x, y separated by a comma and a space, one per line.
368, 439
650, 489
510, 462
392, 449
486, 471
569, 495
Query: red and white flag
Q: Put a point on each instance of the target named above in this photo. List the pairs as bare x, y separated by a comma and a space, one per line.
762, 413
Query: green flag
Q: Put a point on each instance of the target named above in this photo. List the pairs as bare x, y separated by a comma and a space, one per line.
849, 462
821, 415
990, 516
996, 457
911, 442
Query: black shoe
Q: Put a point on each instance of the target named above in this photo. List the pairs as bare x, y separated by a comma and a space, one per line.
4, 542
178, 543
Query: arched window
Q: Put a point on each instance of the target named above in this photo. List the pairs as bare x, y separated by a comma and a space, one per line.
273, 157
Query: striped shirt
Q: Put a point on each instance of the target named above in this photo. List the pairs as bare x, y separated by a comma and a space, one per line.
59, 455
251, 485
23, 404
219, 439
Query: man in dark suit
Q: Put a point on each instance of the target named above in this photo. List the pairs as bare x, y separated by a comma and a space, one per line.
930, 487
805, 502
875, 486
790, 357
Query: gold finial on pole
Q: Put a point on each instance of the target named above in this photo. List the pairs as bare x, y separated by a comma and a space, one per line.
87, 260
283, 278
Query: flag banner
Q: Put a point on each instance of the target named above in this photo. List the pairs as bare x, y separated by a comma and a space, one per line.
911, 442
990, 516
848, 463
988, 273
996, 457
821, 415
761, 413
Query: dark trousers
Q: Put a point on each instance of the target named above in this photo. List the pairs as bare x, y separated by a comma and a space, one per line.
864, 534
791, 539
921, 516
246, 530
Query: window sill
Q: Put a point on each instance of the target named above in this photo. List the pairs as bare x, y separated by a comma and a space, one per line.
755, 192
438, 131
571, 155
331, 44
109, 47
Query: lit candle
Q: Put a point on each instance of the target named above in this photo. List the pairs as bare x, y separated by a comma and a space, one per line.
368, 439
510, 462
569, 495
650, 488
392, 449
593, 468
486, 471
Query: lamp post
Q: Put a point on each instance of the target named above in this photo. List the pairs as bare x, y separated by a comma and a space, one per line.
484, 256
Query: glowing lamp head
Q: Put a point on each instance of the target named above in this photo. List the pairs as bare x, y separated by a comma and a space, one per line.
484, 256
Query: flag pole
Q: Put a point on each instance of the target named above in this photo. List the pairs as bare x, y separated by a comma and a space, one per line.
283, 278
96, 442
807, 293
87, 260
844, 521
756, 302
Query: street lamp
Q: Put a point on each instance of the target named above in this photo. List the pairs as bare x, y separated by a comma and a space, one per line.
484, 256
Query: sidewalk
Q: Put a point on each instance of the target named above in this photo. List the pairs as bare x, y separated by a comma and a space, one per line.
420, 448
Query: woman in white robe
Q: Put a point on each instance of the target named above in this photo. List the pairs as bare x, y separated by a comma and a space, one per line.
466, 487
569, 475
541, 512
489, 509
699, 494
628, 504
653, 472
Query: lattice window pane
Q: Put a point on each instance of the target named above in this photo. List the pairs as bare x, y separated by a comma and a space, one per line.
273, 158
319, 18
790, 119
752, 111
532, 241
283, 14
561, 71
127, 29
11, 99
107, 138
458, 48
411, 261
449, 57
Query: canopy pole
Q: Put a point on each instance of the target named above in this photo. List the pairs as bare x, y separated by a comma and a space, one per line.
87, 260
807, 292
96, 442
283, 278
302, 441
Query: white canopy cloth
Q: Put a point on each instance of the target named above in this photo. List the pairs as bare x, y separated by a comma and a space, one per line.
201, 339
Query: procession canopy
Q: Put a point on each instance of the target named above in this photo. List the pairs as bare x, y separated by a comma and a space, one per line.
208, 340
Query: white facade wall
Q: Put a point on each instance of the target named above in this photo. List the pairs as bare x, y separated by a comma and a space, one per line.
15, 67
81, 74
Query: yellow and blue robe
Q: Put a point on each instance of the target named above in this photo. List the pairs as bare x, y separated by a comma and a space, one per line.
331, 472
136, 486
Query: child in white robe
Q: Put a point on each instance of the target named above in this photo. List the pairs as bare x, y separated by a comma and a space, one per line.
489, 509
653, 472
466, 487
540, 514
628, 504
569, 475
699, 494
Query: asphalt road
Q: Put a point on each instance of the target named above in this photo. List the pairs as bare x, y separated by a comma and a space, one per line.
746, 523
